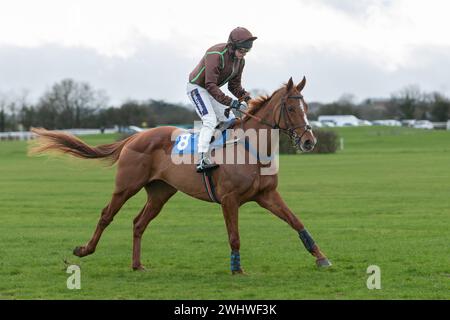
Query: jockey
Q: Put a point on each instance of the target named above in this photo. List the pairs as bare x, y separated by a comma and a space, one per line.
221, 63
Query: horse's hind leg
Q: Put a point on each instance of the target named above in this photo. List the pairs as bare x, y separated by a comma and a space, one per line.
130, 179
108, 213
158, 193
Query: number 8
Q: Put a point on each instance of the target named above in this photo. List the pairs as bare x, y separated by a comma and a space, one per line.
184, 141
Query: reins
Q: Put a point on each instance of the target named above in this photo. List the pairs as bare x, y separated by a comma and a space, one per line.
290, 131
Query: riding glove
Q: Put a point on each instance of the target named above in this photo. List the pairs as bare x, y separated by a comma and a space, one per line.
235, 104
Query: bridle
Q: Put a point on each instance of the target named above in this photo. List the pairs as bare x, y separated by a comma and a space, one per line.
289, 130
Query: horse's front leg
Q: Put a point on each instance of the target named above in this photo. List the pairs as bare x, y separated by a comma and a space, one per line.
273, 202
230, 209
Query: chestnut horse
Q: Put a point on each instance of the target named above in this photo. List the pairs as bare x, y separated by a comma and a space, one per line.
144, 161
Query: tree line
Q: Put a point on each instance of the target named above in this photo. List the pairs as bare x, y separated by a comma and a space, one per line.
408, 103
72, 104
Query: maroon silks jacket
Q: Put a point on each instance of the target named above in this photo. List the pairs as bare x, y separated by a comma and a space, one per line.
217, 67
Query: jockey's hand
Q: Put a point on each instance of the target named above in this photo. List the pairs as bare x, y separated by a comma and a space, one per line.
235, 104
243, 106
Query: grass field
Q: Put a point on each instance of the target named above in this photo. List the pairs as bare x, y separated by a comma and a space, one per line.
384, 200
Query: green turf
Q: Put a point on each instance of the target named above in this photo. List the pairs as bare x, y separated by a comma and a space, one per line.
384, 200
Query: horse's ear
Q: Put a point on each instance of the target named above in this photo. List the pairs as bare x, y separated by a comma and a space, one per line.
289, 85
301, 85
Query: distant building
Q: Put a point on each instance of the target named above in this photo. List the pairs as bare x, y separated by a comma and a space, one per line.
364, 122
408, 122
423, 124
392, 123
316, 124
340, 120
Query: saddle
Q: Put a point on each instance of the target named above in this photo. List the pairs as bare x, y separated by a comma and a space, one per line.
186, 142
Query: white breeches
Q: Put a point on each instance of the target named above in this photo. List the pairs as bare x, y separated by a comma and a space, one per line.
209, 110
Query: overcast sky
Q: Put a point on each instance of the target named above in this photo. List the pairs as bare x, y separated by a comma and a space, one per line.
146, 49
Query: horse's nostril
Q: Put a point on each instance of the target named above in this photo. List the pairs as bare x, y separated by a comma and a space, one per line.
308, 145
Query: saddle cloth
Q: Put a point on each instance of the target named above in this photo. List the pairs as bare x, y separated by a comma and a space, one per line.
187, 142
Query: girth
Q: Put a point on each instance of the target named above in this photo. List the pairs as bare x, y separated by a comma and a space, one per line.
209, 185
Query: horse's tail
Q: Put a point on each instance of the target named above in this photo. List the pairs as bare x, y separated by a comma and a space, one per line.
68, 143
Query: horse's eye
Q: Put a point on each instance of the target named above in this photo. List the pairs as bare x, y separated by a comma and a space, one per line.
290, 109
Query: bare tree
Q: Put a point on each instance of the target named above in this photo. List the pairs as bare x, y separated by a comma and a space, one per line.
347, 99
68, 103
440, 107
10, 105
3, 103
407, 102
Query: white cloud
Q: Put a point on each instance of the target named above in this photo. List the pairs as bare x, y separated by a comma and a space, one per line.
384, 29
384, 37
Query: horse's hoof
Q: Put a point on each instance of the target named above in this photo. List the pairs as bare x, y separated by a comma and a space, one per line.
239, 272
139, 268
323, 263
78, 251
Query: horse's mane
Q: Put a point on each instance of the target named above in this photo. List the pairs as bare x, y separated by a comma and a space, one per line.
259, 102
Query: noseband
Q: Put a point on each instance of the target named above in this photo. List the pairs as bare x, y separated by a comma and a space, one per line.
290, 131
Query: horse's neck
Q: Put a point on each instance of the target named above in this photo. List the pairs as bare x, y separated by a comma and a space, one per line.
265, 114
